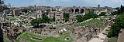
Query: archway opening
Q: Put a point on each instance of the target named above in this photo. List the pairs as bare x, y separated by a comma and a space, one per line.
82, 10
76, 10
72, 10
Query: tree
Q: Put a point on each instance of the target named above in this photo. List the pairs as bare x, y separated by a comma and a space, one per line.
102, 14
122, 9
36, 22
119, 11
79, 18
119, 23
45, 19
114, 31
66, 16
53, 18
120, 20
117, 26
88, 16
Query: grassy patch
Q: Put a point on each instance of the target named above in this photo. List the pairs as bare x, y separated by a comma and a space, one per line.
30, 37
113, 39
95, 23
52, 39
5, 38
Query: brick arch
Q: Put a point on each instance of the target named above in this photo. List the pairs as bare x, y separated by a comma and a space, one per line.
72, 10
77, 10
81, 10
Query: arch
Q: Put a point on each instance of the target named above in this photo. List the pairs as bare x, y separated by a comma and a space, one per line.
72, 10
82, 11
77, 10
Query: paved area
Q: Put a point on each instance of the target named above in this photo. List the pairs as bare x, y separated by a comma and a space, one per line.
101, 36
121, 36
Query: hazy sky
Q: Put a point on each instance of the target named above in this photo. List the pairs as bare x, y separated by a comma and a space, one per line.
111, 3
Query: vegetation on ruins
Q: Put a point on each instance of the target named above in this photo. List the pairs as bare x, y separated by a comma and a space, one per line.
88, 16
37, 21
113, 39
81, 18
32, 37
53, 19
66, 16
115, 29
94, 23
45, 19
118, 25
102, 14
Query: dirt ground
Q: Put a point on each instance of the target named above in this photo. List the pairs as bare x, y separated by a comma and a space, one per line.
121, 36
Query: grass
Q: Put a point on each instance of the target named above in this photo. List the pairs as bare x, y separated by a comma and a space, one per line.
113, 39
62, 38
93, 23
5, 38
11, 18
30, 37
52, 39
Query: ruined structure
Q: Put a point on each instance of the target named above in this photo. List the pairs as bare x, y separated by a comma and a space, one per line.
74, 10
86, 10
59, 17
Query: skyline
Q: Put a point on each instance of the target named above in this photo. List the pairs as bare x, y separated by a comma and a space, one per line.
65, 3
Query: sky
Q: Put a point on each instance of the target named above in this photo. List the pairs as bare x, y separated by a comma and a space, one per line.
65, 3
